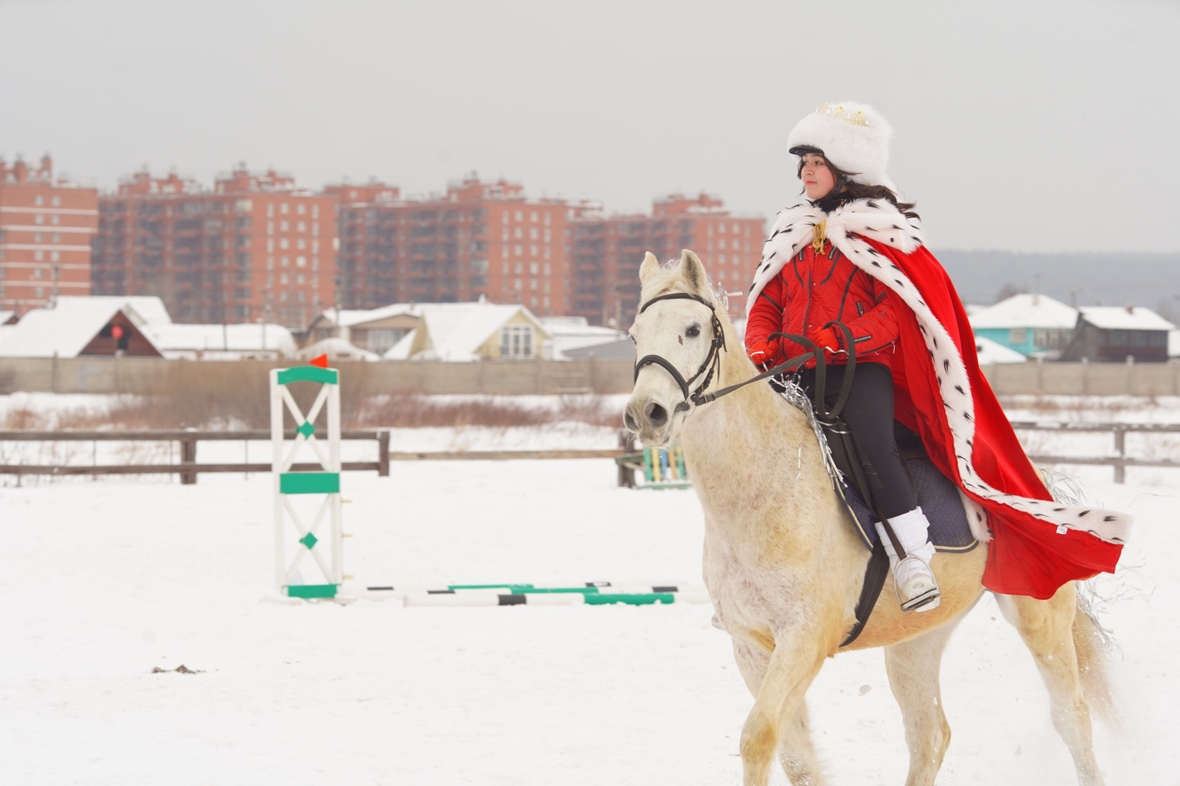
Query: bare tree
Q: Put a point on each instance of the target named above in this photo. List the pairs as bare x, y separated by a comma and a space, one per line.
1008, 290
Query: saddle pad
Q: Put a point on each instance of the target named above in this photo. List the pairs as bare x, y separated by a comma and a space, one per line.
940, 502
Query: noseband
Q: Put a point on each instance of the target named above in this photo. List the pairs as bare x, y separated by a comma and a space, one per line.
708, 367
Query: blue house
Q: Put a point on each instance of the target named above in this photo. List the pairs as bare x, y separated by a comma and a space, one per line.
1032, 324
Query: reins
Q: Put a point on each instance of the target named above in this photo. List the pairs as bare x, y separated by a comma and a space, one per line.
712, 363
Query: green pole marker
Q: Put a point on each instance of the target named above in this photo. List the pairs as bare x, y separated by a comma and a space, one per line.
638, 599
312, 590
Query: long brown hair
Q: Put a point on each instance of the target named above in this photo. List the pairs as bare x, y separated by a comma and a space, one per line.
861, 191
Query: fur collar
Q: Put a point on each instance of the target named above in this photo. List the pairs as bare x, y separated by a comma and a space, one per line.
847, 227
794, 228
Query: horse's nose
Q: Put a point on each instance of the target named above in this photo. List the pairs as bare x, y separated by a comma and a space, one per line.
629, 421
656, 415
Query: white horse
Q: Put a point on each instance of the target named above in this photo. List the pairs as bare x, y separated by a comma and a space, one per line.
784, 568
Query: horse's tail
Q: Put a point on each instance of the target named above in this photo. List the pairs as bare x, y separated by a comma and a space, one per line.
1095, 647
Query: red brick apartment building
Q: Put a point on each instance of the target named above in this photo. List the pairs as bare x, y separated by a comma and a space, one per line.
45, 231
607, 252
477, 239
253, 248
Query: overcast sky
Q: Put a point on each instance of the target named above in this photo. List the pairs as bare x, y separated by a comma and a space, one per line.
1039, 125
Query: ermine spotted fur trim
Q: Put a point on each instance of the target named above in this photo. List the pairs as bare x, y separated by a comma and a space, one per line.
847, 227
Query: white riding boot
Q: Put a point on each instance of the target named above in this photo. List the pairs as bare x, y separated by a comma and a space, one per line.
917, 589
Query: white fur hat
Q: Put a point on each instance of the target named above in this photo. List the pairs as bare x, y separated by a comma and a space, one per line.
852, 136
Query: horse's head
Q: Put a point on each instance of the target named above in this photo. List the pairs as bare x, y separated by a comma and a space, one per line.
678, 336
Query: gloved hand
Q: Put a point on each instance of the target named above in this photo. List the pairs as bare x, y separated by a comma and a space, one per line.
825, 338
759, 351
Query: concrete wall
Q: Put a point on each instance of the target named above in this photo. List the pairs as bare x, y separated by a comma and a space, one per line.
138, 375
1086, 379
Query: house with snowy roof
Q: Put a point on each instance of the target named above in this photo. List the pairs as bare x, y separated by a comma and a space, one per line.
990, 353
261, 341
575, 337
1032, 324
75, 326
472, 331
374, 330
1115, 333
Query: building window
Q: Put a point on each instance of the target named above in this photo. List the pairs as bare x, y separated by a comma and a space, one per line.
1018, 336
315, 211
38, 256
284, 208
516, 341
283, 243
38, 219
284, 226
38, 200
56, 237
301, 208
301, 261
55, 219
54, 256
302, 225
39, 292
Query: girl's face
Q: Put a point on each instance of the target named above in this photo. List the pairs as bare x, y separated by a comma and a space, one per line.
817, 177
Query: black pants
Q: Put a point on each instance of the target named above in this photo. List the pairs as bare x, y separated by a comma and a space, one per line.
869, 415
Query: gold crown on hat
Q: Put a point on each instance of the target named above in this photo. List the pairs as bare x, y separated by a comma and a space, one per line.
837, 112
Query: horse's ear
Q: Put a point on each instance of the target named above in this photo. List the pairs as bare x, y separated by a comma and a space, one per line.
650, 265
693, 271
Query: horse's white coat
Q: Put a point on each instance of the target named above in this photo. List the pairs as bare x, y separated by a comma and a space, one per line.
784, 569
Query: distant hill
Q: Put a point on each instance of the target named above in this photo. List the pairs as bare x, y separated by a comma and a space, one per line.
1150, 280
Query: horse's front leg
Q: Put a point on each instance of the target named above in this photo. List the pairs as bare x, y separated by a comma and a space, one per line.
779, 717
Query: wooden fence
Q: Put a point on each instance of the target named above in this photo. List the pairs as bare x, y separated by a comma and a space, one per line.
188, 468
1120, 461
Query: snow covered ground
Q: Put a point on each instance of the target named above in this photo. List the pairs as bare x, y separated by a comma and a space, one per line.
103, 581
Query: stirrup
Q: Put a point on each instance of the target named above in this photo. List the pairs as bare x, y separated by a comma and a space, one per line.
916, 587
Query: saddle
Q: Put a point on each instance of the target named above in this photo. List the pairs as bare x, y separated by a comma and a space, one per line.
937, 494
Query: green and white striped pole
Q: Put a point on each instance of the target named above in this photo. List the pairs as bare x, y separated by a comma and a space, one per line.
324, 548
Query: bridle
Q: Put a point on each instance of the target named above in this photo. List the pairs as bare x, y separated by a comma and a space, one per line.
712, 363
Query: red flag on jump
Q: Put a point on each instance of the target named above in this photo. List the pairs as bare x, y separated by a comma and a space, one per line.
321, 361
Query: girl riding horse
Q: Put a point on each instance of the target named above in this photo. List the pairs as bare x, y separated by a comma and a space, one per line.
852, 253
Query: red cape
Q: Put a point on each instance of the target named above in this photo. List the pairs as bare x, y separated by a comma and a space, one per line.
1027, 555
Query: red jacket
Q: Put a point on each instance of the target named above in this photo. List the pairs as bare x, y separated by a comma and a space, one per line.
814, 289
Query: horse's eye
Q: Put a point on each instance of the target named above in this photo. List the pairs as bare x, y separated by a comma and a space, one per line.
693, 331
